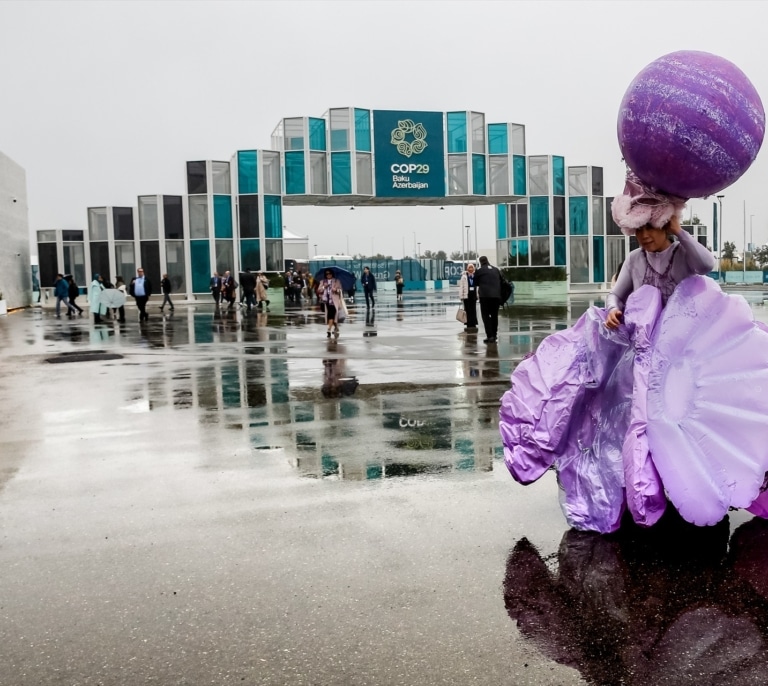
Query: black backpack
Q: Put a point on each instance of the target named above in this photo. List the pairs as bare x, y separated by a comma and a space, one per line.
507, 289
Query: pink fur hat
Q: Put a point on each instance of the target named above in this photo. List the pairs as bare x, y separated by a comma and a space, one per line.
639, 205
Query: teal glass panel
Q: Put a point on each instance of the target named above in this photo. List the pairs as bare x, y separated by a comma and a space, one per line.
200, 264
501, 221
522, 252
339, 139
222, 216
294, 173
598, 259
558, 175
230, 385
513, 252
578, 220
273, 216
363, 130
478, 175
250, 255
519, 175
560, 251
540, 216
341, 173
316, 134
374, 471
246, 171
498, 139
457, 132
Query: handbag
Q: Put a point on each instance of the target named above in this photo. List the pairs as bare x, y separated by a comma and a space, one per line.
461, 315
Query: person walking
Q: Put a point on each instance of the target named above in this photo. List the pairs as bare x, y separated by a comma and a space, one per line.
332, 297
166, 287
61, 288
120, 286
262, 283
248, 284
140, 289
369, 286
98, 307
215, 287
468, 296
399, 283
74, 291
229, 289
487, 280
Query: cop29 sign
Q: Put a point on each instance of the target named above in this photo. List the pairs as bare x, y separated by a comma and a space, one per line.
408, 149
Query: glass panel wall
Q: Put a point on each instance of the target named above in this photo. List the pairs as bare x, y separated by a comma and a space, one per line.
518, 139
458, 182
274, 255
148, 219
196, 178
597, 180
579, 266
340, 129
198, 216
273, 216
363, 130
46, 237
225, 257
97, 224
220, 177
558, 175
222, 216
457, 133
175, 263
247, 178
316, 133
125, 262
341, 173
478, 132
540, 252
597, 217
499, 174
293, 132
538, 175
501, 221
577, 181
69, 235
122, 221
249, 216
150, 261
199, 252
364, 174
294, 173
522, 219
498, 139
558, 203
540, 217
49, 267
612, 228
74, 262
99, 259
318, 174
519, 175
560, 256
598, 257
478, 174
173, 216
579, 220
615, 254
272, 183
250, 255
523, 253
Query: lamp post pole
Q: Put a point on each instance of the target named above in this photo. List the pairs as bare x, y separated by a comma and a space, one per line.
744, 243
719, 236
418, 252
477, 250
466, 253
414, 244
315, 249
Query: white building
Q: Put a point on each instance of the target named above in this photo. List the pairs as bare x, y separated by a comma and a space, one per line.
15, 271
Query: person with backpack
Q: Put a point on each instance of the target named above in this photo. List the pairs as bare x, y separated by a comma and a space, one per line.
488, 281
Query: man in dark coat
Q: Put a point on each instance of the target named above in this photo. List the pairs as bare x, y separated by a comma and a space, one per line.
140, 289
369, 286
248, 284
488, 282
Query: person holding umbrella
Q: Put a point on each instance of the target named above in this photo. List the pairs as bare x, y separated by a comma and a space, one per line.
332, 297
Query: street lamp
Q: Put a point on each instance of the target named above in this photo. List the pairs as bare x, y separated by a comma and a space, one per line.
751, 244
719, 236
467, 227
418, 251
315, 249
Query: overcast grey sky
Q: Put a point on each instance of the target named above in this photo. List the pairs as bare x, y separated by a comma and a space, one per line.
105, 101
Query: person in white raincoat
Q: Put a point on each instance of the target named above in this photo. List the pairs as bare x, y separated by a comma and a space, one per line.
94, 298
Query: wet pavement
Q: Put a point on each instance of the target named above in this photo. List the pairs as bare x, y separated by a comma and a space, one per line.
216, 498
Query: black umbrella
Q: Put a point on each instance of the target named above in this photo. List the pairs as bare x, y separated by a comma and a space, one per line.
347, 279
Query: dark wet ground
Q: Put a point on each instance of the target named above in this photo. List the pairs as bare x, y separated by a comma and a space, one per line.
235, 499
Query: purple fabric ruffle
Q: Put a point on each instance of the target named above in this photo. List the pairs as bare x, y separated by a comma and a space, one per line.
640, 205
669, 407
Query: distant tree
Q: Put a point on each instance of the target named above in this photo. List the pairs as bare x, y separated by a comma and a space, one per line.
761, 256
440, 255
729, 250
693, 221
457, 255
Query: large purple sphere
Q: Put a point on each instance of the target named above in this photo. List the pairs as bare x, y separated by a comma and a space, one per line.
690, 124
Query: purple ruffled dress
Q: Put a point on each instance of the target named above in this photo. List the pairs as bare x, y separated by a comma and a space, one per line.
671, 407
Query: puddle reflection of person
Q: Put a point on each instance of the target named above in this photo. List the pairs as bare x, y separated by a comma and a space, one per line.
666, 605
336, 383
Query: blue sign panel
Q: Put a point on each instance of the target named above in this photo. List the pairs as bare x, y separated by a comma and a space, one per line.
408, 149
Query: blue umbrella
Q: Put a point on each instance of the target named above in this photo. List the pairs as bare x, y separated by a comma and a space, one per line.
347, 279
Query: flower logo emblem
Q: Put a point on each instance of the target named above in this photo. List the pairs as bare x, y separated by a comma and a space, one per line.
409, 147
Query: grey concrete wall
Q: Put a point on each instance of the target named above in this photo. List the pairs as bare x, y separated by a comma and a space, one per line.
15, 271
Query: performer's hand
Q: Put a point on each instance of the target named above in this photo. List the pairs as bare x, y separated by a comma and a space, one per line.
674, 225
613, 319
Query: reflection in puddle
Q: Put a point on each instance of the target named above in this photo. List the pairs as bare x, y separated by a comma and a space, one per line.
673, 604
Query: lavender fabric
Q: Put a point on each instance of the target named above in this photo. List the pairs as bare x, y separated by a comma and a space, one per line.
655, 411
